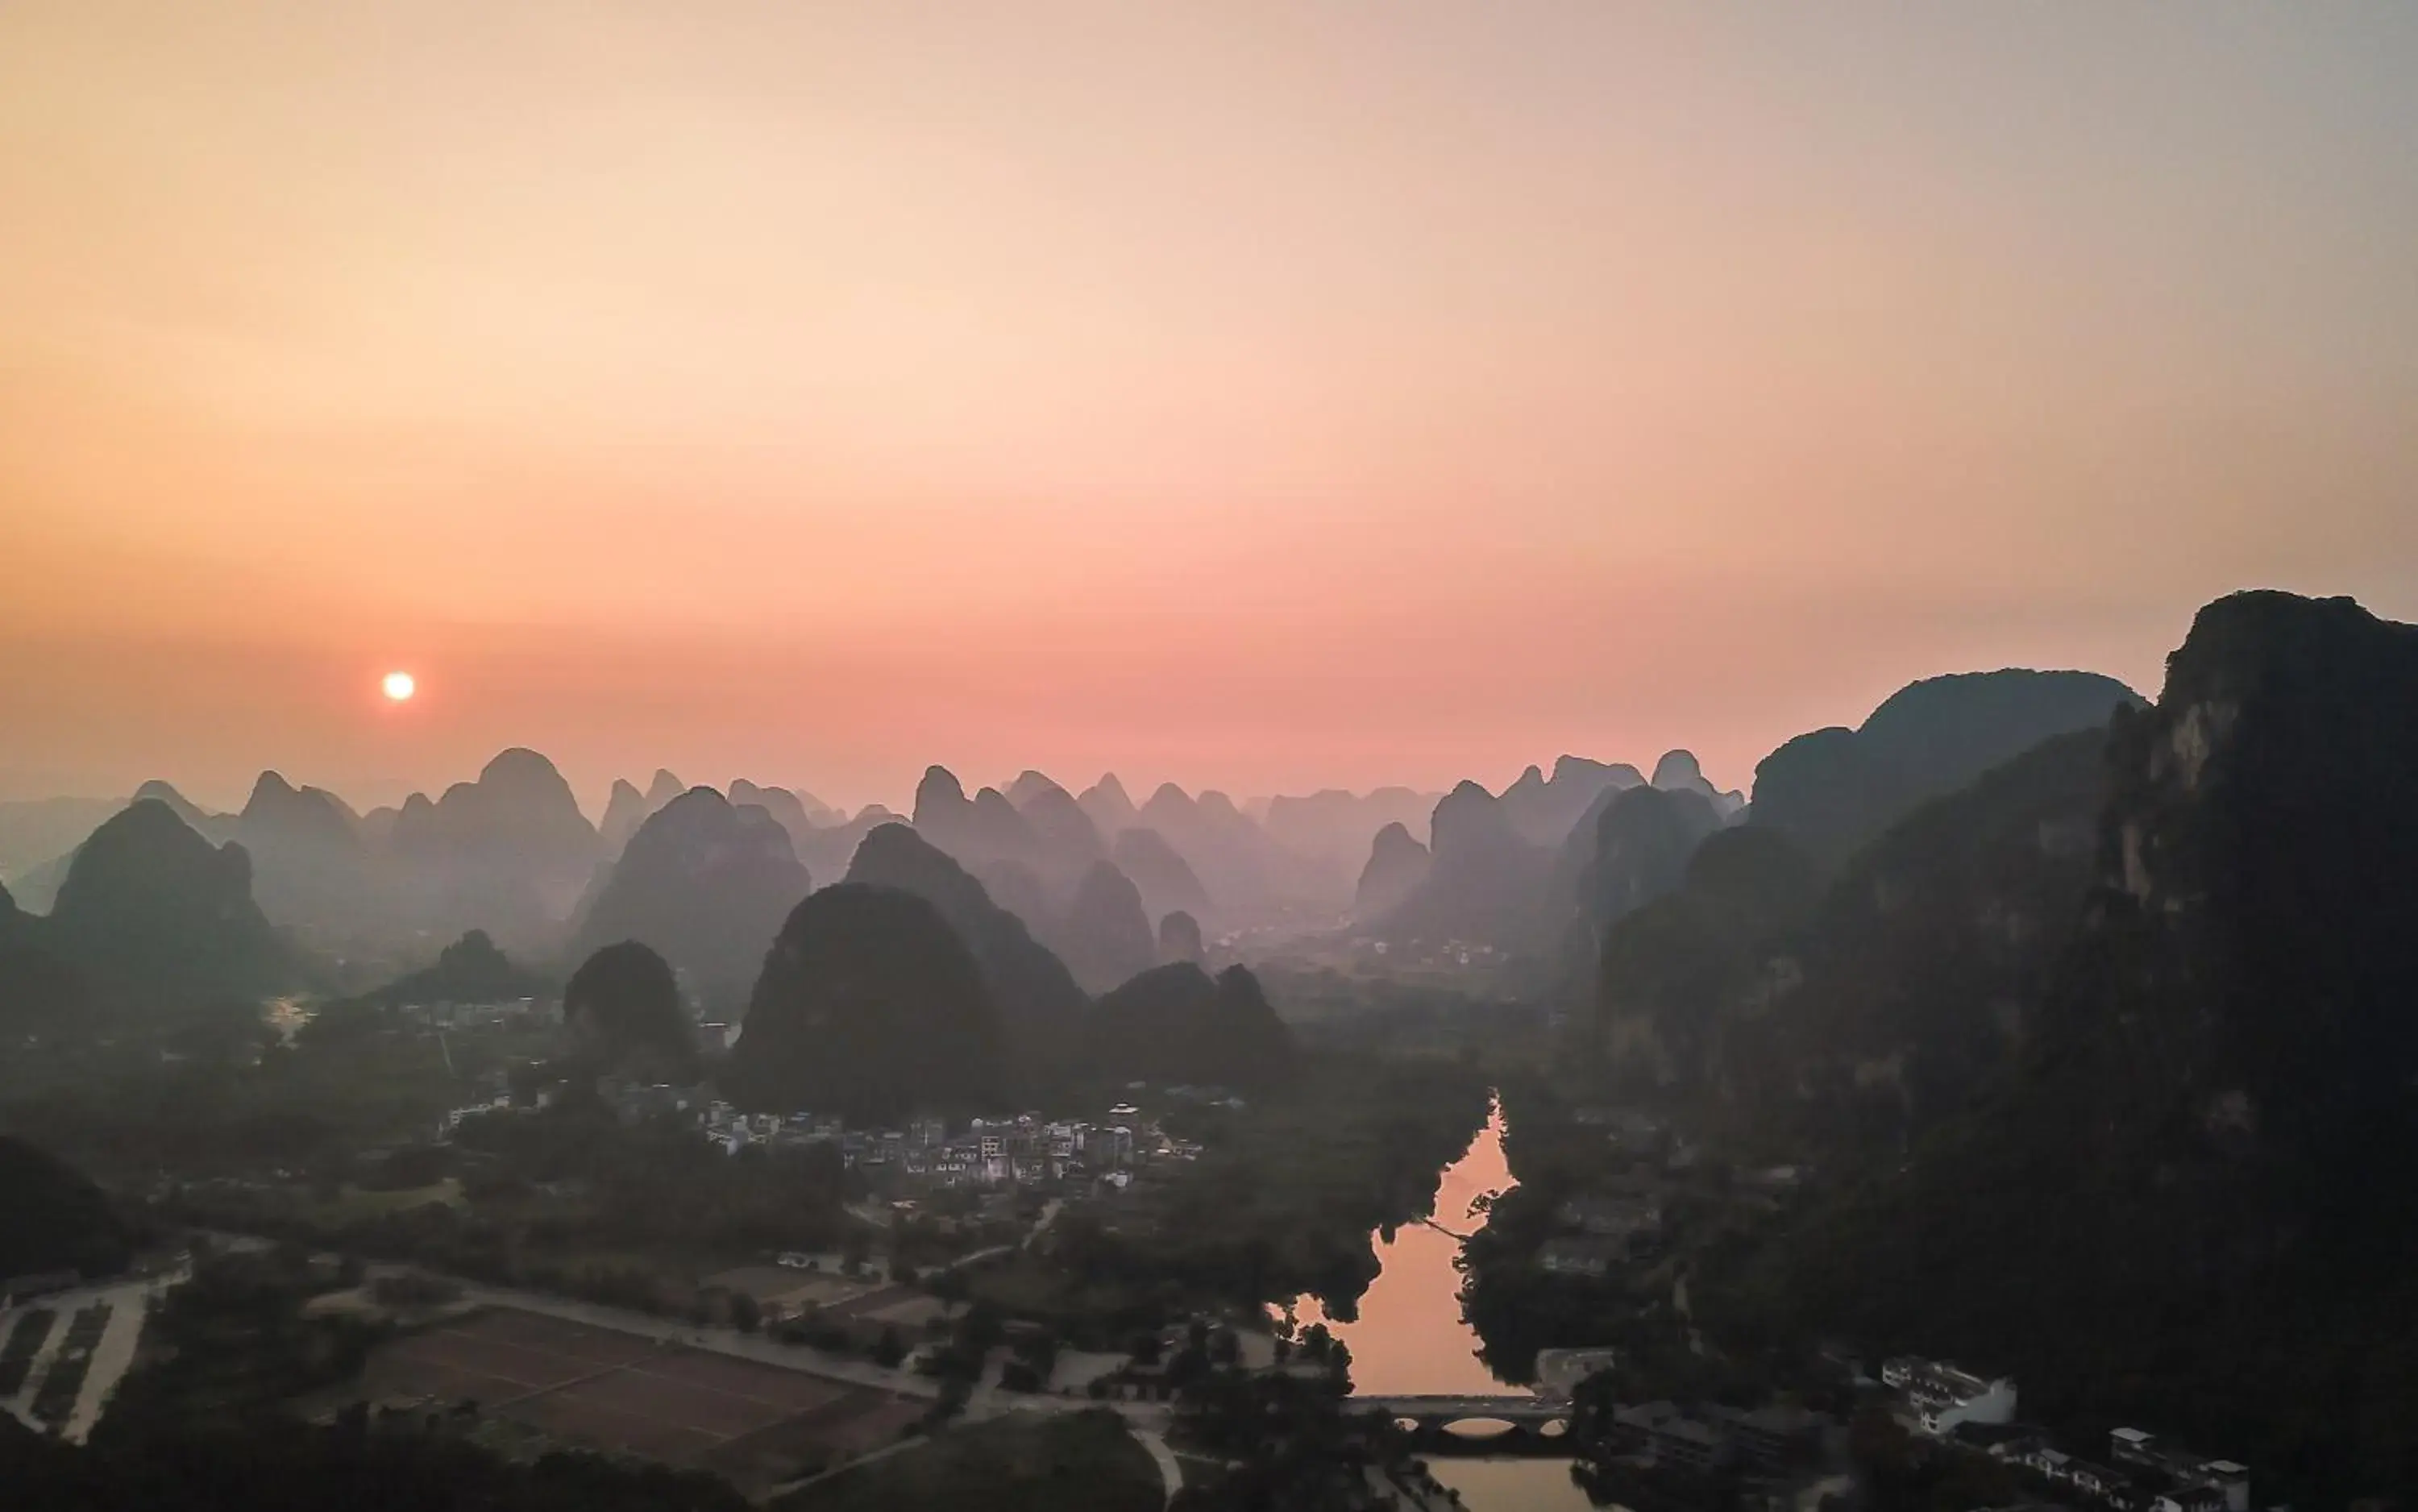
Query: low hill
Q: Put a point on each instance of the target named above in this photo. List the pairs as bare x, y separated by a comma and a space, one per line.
624, 1012
470, 969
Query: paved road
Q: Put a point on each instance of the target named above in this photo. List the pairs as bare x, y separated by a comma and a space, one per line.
1170, 1472
1049, 1212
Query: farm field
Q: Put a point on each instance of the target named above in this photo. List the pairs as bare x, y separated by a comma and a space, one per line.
577, 1383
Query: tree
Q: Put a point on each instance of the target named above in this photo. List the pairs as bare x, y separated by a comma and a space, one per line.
889, 1349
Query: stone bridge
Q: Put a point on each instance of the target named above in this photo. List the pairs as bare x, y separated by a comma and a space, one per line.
1535, 1423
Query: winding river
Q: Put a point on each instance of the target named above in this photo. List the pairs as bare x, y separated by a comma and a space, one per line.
1411, 1338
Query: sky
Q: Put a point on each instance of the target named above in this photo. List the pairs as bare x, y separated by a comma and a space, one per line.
1260, 396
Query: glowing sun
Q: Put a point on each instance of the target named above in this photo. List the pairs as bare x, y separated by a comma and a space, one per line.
399, 686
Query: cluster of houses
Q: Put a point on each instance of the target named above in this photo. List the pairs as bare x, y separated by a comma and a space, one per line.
1027, 1149
1938, 1397
503, 1012
1606, 1231
1603, 1230
2141, 1474
1704, 1438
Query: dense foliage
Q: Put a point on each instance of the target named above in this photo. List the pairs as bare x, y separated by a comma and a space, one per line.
1029, 1462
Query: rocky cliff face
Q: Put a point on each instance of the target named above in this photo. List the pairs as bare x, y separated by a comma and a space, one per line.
2180, 1203
1923, 975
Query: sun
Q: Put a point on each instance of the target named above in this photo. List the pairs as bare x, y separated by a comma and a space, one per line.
399, 686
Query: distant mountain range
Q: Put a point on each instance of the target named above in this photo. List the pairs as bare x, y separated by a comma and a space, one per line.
705, 876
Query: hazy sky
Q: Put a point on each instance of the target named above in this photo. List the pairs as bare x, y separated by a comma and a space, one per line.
1263, 396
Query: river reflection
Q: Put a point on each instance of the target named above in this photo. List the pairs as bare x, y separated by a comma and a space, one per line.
1411, 1338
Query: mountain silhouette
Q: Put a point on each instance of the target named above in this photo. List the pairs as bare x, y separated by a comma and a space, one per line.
1543, 811
1398, 867
624, 1014
2209, 1116
470, 969
705, 884
1104, 935
625, 809
157, 917
870, 1006
509, 852
1108, 807
1035, 995
1028, 785
1174, 1025
1485, 883
1333, 829
1166, 879
311, 865
1179, 939
1833, 790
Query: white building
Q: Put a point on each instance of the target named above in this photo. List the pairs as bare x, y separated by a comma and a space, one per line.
1940, 1395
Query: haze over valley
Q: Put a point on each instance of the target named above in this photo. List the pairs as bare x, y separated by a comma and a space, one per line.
1105, 757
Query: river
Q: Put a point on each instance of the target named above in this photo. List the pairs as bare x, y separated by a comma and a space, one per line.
1411, 1339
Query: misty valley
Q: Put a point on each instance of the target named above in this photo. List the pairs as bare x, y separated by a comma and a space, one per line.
2006, 1100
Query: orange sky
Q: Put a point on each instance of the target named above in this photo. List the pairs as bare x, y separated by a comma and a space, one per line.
1258, 395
